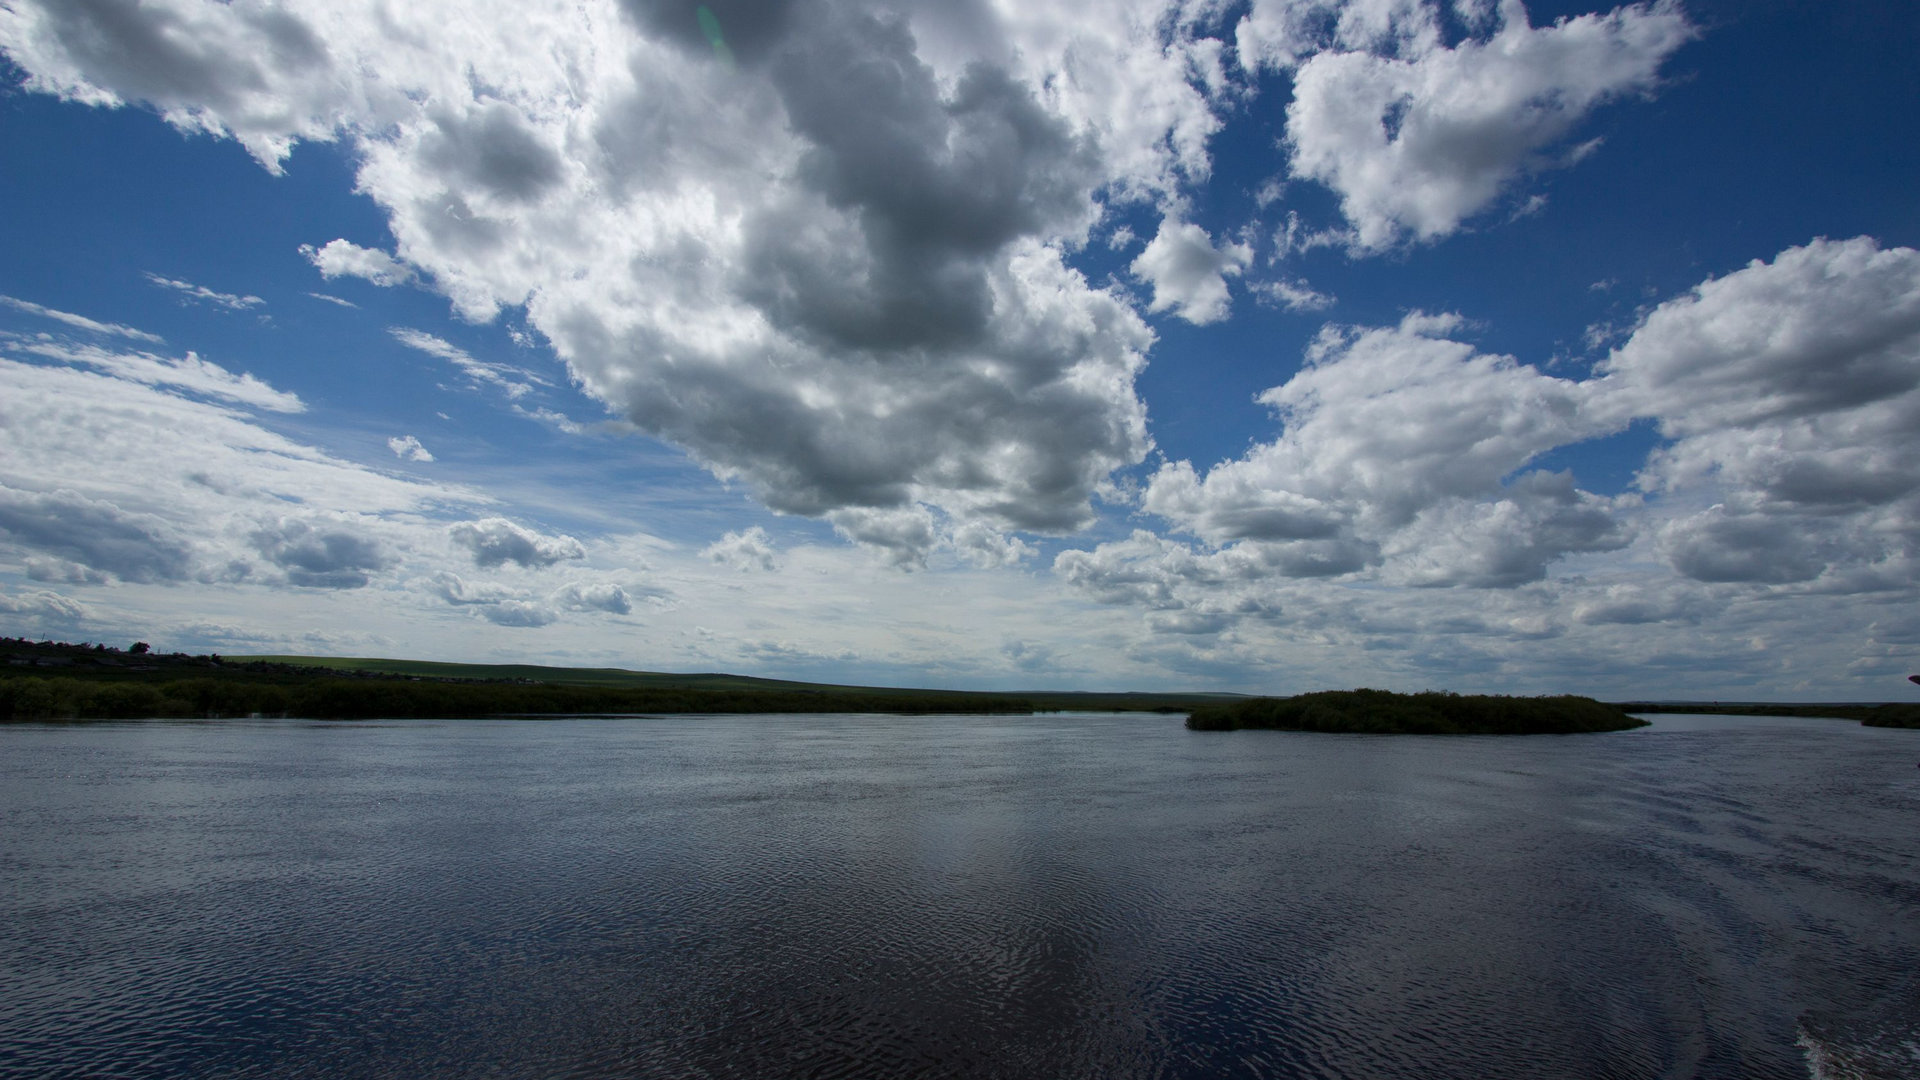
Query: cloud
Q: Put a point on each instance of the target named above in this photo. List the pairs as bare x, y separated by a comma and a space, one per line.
986, 548
519, 613
343, 258
511, 607
1787, 479
79, 322
189, 372
602, 596
139, 445
200, 294
835, 268
1295, 295
1030, 656
261, 74
1401, 440
1189, 274
1641, 604
490, 147
834, 271
1789, 391
744, 549
95, 534
1416, 137
1717, 546
903, 537
334, 300
496, 541
495, 603
509, 379
320, 555
408, 448
1137, 75
1295, 236
1140, 570
119, 479
564, 423
1832, 326
41, 568
44, 606
1540, 518
460, 592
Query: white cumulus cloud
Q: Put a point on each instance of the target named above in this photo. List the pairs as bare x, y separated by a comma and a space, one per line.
1786, 478
1415, 136
834, 265
344, 258
408, 448
1790, 392
744, 549
496, 541
833, 269
1189, 273
594, 596
42, 606
1399, 442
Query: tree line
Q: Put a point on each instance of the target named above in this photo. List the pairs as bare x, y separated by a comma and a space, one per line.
34, 697
1383, 712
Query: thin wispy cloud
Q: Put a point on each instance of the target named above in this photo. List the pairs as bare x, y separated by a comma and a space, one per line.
510, 380
188, 372
80, 322
200, 294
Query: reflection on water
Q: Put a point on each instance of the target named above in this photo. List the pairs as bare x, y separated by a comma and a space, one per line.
1061, 896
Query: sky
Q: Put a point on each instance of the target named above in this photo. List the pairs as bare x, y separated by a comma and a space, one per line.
1116, 344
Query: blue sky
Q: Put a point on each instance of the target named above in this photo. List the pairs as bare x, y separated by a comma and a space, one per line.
1267, 346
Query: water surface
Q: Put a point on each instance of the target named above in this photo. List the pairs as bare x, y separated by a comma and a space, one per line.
1055, 896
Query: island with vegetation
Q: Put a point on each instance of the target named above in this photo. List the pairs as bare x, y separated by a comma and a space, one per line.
1382, 712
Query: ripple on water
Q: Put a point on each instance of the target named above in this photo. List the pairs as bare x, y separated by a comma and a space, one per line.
978, 897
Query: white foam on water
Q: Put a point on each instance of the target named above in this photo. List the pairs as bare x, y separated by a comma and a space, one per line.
1859, 1050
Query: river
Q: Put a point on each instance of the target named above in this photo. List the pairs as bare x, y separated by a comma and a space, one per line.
1056, 896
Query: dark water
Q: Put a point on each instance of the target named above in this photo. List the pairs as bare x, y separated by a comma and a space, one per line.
955, 896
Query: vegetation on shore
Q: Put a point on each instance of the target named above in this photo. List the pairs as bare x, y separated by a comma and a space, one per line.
1892, 714
1382, 712
51, 680
56, 680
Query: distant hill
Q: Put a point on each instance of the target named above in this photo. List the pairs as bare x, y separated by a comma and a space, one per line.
1127, 700
536, 673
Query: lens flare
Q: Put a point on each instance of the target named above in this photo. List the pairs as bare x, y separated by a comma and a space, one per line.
710, 26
